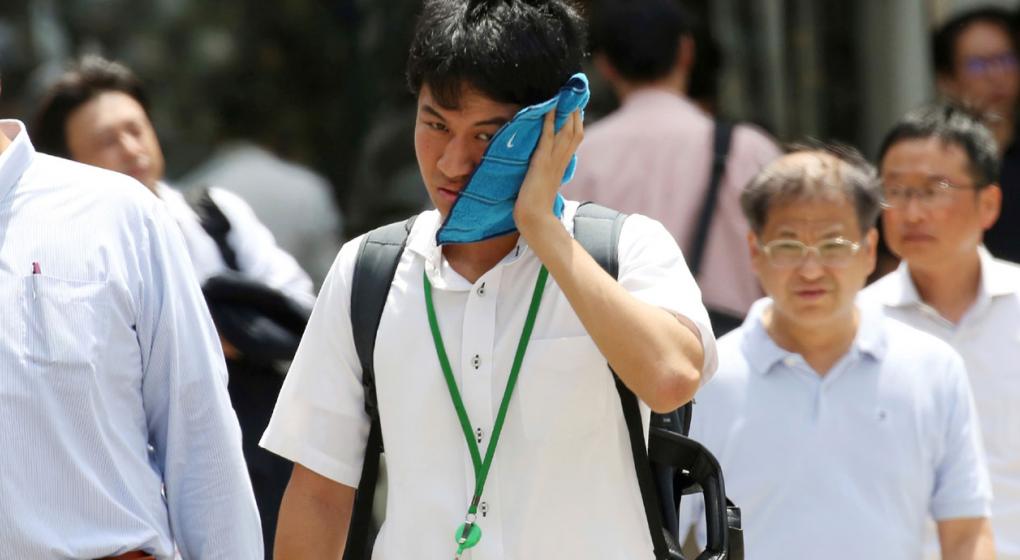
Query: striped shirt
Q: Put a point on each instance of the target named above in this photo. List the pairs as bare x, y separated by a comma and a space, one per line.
116, 431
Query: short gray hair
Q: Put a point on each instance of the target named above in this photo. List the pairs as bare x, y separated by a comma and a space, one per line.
841, 171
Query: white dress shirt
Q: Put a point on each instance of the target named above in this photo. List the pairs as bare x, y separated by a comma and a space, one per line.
117, 432
562, 484
847, 466
258, 256
988, 338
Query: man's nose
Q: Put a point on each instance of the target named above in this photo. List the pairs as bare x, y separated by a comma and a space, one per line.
131, 145
811, 267
459, 158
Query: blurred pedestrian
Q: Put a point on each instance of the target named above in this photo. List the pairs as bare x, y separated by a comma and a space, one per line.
97, 113
840, 432
655, 155
976, 65
938, 167
118, 439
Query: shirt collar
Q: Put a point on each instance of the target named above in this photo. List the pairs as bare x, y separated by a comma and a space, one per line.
901, 291
657, 97
16, 159
422, 241
762, 353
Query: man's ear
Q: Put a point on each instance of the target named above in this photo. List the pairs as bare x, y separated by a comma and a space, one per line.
947, 85
754, 250
989, 205
871, 249
685, 55
606, 68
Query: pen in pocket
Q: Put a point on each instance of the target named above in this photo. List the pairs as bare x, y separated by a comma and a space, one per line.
36, 271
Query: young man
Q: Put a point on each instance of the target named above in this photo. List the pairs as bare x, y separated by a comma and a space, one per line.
841, 432
938, 169
654, 155
562, 484
118, 439
976, 65
98, 113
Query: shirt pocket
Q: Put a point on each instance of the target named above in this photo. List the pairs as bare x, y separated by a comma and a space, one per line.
67, 321
564, 389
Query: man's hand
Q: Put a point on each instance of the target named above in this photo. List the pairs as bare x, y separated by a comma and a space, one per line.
545, 172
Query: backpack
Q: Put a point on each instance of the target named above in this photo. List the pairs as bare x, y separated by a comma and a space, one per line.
672, 464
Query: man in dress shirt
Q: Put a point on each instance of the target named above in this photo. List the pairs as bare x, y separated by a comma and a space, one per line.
563, 483
939, 170
654, 154
97, 113
841, 432
118, 439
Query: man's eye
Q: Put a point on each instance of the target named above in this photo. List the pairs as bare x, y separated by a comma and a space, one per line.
484, 136
436, 126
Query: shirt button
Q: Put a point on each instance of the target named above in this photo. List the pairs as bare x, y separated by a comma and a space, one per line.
476, 361
481, 290
478, 434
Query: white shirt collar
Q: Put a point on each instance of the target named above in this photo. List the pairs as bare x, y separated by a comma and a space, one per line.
763, 353
900, 291
16, 159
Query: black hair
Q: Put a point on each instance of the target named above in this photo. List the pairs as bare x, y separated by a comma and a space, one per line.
953, 125
841, 172
512, 51
945, 37
640, 38
88, 78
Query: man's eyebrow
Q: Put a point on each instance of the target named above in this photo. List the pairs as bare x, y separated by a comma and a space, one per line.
428, 109
497, 121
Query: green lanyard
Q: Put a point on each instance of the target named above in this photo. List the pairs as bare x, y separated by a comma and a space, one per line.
469, 533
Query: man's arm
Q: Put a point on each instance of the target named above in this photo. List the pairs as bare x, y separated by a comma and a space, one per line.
966, 539
657, 354
191, 425
314, 517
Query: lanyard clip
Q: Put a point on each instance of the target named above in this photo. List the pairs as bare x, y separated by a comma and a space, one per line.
468, 535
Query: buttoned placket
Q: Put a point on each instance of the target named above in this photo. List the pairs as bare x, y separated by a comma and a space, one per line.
482, 388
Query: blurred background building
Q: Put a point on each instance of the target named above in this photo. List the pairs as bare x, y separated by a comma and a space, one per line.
320, 84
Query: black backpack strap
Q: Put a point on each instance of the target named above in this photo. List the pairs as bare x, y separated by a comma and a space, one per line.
721, 149
378, 257
597, 229
213, 221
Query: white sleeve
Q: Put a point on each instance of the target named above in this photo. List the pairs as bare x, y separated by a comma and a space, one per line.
653, 269
191, 425
320, 419
258, 255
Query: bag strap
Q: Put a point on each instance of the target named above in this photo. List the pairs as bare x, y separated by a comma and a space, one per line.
214, 222
597, 230
720, 150
378, 257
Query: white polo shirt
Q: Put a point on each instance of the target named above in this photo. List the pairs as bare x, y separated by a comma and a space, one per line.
562, 484
988, 338
849, 465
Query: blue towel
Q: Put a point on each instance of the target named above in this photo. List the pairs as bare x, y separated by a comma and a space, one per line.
485, 207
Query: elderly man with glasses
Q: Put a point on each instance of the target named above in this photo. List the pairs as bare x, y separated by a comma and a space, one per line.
939, 174
841, 432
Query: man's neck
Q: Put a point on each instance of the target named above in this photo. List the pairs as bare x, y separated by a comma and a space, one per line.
1003, 130
820, 346
472, 260
951, 288
672, 83
5, 142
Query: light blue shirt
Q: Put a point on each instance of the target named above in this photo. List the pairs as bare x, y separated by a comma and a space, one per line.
846, 466
112, 383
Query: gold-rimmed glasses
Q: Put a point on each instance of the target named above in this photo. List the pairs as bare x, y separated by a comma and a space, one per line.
790, 253
934, 194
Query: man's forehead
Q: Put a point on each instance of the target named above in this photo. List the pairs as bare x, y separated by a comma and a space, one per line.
466, 101
924, 157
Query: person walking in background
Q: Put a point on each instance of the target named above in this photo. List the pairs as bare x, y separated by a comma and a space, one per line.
840, 431
938, 167
655, 155
118, 440
97, 113
976, 66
